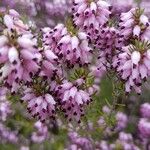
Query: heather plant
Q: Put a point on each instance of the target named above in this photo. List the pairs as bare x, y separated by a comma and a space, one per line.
74, 75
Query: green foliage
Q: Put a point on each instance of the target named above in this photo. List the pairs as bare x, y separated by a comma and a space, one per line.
84, 74
8, 147
70, 27
94, 110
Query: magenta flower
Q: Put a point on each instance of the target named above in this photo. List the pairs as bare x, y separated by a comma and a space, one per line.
89, 15
145, 109
40, 103
13, 22
134, 24
122, 121
41, 134
126, 141
50, 67
103, 145
18, 63
72, 48
144, 127
106, 42
79, 142
133, 67
72, 100
6, 135
19, 55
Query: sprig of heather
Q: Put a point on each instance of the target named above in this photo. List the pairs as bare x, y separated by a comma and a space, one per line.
40, 102
70, 45
132, 65
19, 54
134, 24
89, 15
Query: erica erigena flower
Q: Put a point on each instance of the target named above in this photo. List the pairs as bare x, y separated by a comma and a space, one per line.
144, 127
40, 103
19, 58
13, 22
134, 24
72, 48
73, 100
133, 67
122, 121
50, 66
105, 42
89, 15
145, 109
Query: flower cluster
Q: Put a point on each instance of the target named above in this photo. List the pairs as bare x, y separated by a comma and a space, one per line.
40, 103
134, 23
18, 52
79, 142
41, 134
132, 66
6, 135
106, 41
71, 47
89, 15
12, 21
73, 100
144, 123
